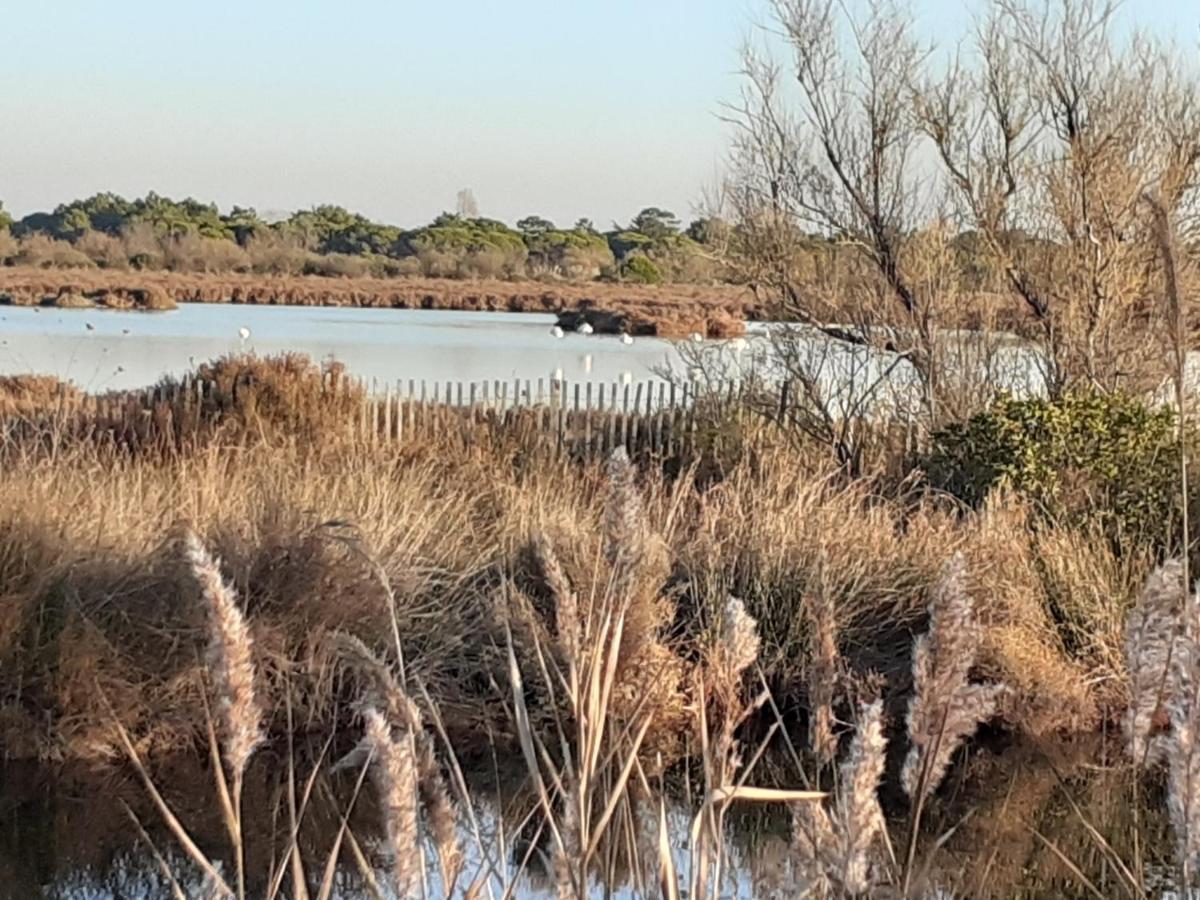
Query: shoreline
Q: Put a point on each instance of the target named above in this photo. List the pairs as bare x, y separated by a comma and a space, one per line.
665, 311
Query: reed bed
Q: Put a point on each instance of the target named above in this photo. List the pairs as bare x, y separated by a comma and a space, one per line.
669, 310
608, 625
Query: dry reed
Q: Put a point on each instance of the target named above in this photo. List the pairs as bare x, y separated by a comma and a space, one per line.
1150, 639
838, 845
822, 678
230, 660
945, 707
396, 782
383, 692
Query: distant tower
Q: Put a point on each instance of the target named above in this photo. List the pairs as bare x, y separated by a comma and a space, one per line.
466, 205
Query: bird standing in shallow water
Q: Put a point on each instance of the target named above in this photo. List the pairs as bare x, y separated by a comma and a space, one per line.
585, 328
556, 331
626, 339
244, 333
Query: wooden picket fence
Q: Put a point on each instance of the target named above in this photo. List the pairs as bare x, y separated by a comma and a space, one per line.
581, 420
578, 418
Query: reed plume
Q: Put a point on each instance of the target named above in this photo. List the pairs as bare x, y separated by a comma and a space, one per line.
836, 846
568, 626
739, 640
1183, 760
1150, 638
626, 526
822, 679
396, 781
229, 659
945, 707
382, 691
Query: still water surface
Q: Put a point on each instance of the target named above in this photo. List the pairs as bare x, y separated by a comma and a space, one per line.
123, 350
1006, 824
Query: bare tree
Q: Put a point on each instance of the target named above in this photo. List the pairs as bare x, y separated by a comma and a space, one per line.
1051, 143
839, 226
935, 220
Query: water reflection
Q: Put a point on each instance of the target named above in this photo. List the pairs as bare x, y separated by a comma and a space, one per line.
1017, 823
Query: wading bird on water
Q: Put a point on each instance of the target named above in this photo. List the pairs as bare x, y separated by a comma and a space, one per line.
626, 339
585, 328
556, 331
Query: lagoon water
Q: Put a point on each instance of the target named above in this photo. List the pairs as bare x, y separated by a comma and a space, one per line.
125, 350
106, 350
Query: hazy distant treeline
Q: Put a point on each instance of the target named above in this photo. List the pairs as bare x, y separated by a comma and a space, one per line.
155, 232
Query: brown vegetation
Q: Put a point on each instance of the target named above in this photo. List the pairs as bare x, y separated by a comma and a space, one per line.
28, 395
285, 487
674, 310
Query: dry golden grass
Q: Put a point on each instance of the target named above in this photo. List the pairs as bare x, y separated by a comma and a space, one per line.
33, 394
91, 585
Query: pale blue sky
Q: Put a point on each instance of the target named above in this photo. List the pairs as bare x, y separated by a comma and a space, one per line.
564, 109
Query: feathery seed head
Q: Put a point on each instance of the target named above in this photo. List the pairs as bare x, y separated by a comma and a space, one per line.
1151, 628
739, 638
946, 707
859, 816
395, 780
229, 658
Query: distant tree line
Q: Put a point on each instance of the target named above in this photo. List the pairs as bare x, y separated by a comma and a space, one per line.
156, 232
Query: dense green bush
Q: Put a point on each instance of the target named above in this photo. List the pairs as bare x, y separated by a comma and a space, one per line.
642, 269
1109, 459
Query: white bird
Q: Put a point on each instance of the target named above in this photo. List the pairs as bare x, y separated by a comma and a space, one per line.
244, 333
697, 337
626, 339
557, 376
587, 362
626, 378
585, 328
556, 331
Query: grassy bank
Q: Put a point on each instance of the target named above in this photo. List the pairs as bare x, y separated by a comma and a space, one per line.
266, 575
669, 310
304, 513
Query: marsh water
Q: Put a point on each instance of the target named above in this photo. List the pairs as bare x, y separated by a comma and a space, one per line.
1014, 822
104, 350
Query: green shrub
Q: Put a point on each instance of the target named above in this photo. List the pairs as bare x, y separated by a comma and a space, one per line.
641, 269
1087, 458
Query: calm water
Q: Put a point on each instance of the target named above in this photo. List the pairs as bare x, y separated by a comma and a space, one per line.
134, 349
66, 835
101, 350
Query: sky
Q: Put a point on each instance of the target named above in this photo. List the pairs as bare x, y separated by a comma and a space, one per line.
561, 109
